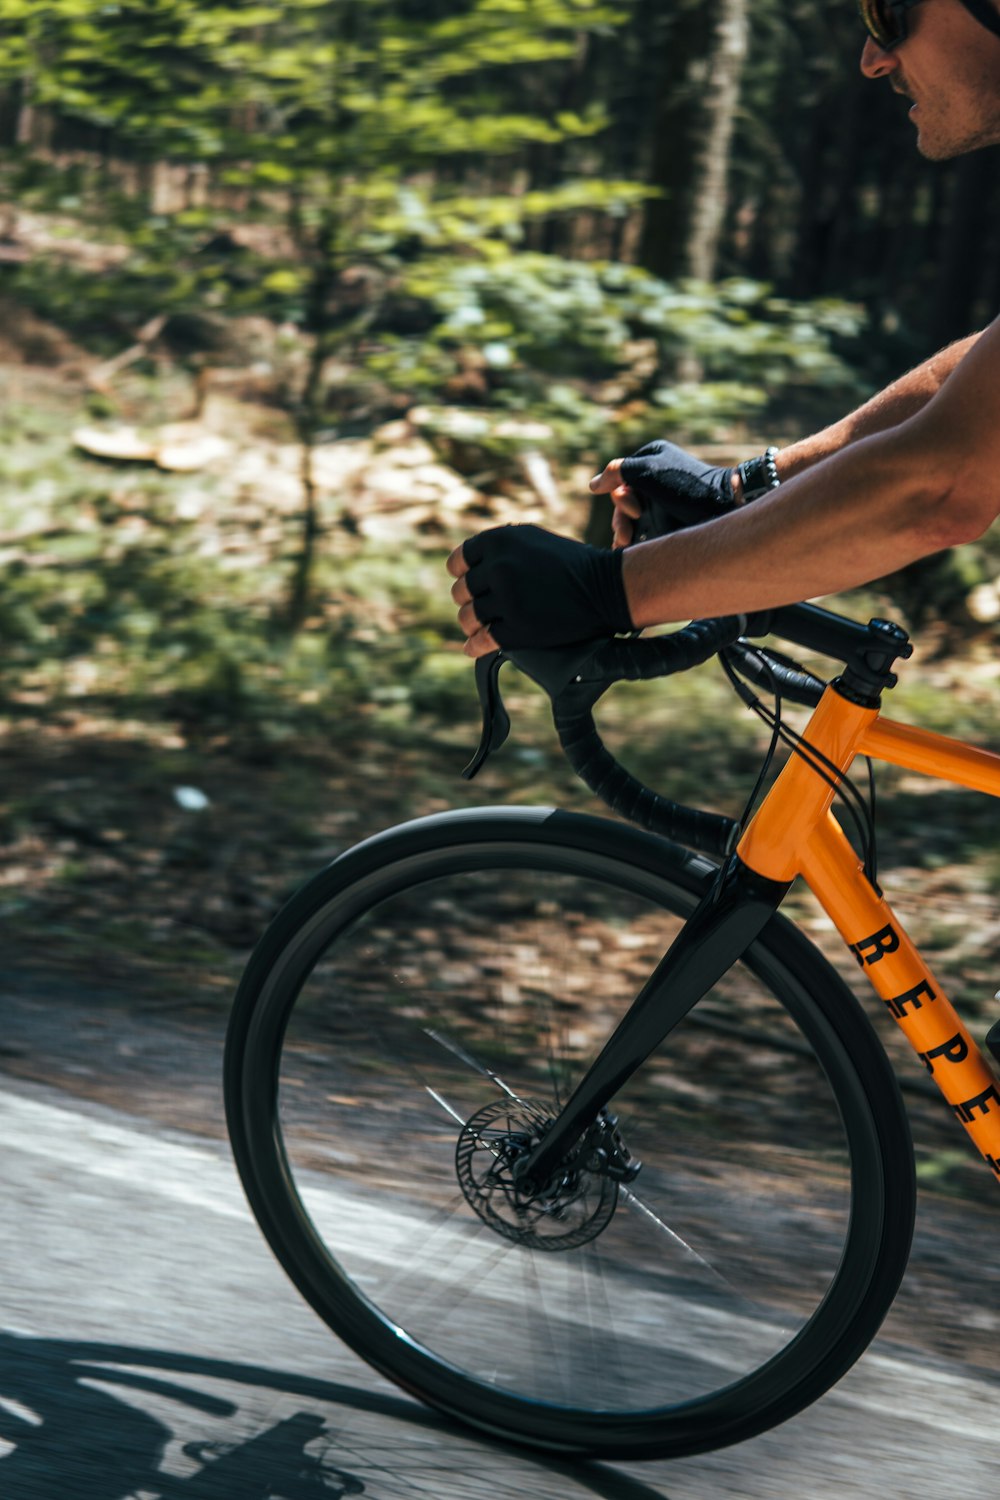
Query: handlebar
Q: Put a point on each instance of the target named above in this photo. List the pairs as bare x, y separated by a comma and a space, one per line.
575, 676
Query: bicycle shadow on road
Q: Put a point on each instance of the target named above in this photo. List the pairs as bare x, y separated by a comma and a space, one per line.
73, 1425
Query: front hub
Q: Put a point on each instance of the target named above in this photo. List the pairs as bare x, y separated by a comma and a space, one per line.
577, 1202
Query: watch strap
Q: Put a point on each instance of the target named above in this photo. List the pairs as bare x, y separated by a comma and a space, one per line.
758, 475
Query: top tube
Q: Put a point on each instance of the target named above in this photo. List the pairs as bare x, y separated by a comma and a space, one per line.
932, 754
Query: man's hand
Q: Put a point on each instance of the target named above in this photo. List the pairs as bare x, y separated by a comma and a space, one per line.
479, 641
521, 586
627, 505
664, 489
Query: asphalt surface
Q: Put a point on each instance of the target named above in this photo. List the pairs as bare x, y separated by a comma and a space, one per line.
150, 1347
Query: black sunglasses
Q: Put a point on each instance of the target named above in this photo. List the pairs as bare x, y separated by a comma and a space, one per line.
885, 20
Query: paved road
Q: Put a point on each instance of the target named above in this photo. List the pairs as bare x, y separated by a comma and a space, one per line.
149, 1348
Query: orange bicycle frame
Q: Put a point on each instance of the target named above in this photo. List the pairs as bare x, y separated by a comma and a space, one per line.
794, 833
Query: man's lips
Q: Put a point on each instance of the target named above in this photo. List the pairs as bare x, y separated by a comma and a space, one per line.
905, 94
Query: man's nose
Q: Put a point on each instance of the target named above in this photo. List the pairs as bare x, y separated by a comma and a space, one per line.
875, 63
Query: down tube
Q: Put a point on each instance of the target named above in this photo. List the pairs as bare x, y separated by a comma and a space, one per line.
912, 995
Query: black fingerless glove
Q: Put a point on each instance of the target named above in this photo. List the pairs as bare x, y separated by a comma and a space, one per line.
535, 589
679, 490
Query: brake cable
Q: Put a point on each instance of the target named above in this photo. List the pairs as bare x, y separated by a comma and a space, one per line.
860, 811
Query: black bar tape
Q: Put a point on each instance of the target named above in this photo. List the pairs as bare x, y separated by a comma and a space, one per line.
606, 777
624, 793
572, 705
637, 661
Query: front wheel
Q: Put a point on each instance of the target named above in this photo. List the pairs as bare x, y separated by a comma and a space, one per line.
715, 1253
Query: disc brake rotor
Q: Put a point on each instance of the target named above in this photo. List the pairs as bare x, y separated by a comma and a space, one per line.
572, 1207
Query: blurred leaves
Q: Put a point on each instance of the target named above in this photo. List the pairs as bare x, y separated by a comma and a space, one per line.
308, 86
593, 349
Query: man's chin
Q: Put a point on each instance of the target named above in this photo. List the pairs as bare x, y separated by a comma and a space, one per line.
936, 145
933, 148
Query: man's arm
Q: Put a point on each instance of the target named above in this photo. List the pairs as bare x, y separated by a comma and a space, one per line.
880, 501
883, 500
896, 404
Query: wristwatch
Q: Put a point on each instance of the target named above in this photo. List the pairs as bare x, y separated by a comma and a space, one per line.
758, 475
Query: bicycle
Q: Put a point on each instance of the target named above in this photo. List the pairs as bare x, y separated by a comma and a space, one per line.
559, 1123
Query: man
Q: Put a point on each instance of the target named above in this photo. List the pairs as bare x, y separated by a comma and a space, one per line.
915, 470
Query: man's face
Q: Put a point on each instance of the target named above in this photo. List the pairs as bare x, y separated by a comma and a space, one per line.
949, 65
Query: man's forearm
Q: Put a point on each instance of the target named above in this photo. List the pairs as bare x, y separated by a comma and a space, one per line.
877, 505
896, 488
889, 408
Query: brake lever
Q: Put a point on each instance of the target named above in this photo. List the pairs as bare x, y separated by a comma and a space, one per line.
552, 668
496, 720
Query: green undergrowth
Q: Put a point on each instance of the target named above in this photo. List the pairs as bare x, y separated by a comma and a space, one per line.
131, 596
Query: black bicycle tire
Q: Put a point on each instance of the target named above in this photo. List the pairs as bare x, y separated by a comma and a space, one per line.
884, 1187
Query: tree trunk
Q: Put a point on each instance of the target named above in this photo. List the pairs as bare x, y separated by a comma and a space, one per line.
300, 589
702, 65
24, 130
708, 210
309, 417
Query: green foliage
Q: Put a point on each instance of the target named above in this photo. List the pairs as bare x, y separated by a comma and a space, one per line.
592, 348
297, 90
413, 216
329, 113
325, 111
123, 602
180, 271
164, 72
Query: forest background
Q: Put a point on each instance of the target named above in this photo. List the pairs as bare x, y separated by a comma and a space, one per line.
296, 295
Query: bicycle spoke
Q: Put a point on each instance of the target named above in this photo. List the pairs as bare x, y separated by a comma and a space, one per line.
428, 1052
457, 1051
603, 1354
444, 1104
